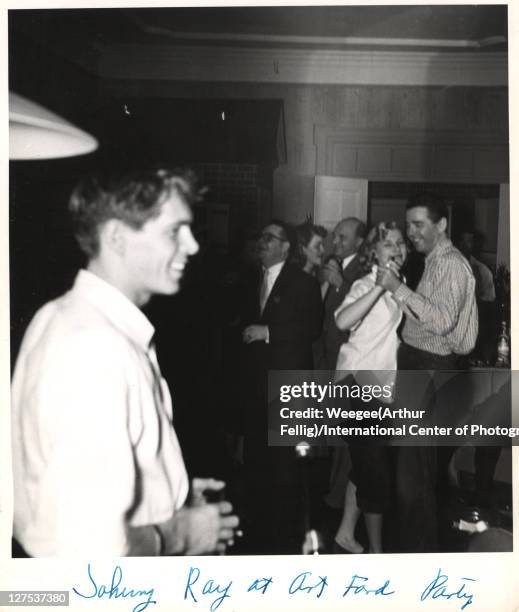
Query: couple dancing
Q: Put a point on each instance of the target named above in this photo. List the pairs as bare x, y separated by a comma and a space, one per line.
372, 315
441, 325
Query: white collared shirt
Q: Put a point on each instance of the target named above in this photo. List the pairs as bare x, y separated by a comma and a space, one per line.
94, 449
347, 260
373, 342
272, 275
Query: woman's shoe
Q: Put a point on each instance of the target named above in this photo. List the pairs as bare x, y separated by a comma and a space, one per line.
343, 548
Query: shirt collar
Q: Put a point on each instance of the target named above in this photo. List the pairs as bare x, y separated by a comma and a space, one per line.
346, 261
115, 306
275, 269
441, 246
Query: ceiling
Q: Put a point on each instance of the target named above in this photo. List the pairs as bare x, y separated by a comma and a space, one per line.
414, 22
82, 31
67, 59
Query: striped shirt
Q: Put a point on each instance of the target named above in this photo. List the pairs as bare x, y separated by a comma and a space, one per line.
442, 315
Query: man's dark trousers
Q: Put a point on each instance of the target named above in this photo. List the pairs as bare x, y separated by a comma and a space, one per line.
416, 466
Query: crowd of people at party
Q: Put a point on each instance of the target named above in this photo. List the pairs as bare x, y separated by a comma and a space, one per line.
92, 414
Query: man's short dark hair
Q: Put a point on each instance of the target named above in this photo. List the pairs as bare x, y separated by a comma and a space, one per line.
133, 198
436, 207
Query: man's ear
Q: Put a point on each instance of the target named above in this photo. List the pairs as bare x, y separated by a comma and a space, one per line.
112, 236
442, 224
286, 248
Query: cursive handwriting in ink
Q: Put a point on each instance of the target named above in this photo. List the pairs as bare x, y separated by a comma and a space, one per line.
210, 588
115, 591
260, 584
300, 584
360, 588
439, 588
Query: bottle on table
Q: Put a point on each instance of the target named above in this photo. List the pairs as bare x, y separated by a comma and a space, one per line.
503, 347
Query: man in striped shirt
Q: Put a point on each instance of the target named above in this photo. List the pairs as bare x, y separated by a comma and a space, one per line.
440, 329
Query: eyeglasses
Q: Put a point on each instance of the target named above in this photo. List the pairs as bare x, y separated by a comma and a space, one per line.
268, 237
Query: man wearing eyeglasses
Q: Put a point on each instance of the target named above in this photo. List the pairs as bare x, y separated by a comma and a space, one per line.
285, 313
284, 319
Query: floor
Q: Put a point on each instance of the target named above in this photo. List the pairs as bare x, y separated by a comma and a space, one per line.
457, 504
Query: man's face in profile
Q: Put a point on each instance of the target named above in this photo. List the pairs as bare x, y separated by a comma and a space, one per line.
345, 239
272, 245
156, 254
422, 231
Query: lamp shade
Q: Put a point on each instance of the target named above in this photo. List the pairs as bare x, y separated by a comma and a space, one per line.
37, 133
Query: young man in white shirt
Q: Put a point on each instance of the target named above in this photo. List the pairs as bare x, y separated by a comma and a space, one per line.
97, 467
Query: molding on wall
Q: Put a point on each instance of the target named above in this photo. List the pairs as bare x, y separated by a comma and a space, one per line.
302, 66
323, 41
413, 155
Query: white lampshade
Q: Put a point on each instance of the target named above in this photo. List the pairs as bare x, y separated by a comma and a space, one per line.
37, 133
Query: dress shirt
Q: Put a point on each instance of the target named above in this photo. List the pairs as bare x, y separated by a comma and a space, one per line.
442, 314
344, 264
94, 449
347, 260
272, 276
373, 341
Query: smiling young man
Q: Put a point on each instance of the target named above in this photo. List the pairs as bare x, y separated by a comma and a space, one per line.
440, 328
441, 315
97, 467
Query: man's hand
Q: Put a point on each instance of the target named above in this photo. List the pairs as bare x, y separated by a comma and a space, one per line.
199, 488
332, 273
387, 277
209, 528
254, 333
200, 530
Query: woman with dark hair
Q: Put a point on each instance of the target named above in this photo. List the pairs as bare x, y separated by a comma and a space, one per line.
310, 247
372, 316
310, 250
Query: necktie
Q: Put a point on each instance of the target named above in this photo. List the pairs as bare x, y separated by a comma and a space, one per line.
264, 290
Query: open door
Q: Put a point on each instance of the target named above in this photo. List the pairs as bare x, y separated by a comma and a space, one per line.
338, 197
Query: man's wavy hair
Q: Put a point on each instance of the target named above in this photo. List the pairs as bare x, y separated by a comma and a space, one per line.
367, 254
133, 198
436, 207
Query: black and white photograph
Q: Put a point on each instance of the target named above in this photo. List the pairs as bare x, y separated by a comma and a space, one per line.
201, 196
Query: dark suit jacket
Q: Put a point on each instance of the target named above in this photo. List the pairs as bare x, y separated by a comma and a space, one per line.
293, 314
271, 478
332, 337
